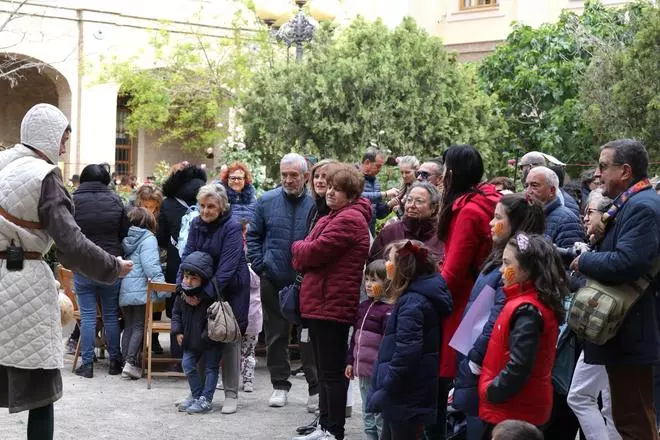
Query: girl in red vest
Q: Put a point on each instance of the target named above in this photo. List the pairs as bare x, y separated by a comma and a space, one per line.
516, 376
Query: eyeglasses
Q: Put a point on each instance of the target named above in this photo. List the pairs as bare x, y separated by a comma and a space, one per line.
236, 178
423, 174
416, 202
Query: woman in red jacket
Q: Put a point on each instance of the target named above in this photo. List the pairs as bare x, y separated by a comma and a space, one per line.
331, 259
516, 375
463, 225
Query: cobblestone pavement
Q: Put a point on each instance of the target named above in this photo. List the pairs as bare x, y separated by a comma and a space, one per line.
108, 407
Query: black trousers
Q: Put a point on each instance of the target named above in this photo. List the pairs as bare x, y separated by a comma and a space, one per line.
402, 431
438, 430
330, 344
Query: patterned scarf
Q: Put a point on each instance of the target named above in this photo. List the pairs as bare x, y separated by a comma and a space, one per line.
608, 217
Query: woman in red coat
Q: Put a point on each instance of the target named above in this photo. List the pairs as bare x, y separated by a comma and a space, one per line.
463, 225
331, 259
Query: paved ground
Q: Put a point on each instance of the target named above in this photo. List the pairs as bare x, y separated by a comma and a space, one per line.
108, 407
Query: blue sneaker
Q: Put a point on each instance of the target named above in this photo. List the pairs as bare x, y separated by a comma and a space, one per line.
184, 404
200, 406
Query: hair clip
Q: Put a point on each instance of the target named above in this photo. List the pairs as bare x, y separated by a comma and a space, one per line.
523, 242
420, 253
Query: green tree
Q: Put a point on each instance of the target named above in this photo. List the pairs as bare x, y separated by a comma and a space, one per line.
535, 78
622, 97
368, 81
188, 95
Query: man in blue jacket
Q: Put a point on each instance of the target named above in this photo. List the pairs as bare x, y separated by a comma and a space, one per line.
629, 249
280, 218
562, 226
372, 162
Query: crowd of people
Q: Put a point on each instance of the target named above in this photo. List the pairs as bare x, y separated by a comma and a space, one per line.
456, 301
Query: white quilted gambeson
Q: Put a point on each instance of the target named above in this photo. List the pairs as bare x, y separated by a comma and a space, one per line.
30, 330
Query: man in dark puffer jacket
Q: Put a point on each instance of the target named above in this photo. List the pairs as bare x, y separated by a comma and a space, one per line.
279, 220
562, 226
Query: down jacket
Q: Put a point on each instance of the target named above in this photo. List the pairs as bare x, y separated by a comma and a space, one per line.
242, 203
368, 331
404, 385
332, 260
372, 192
570, 202
141, 247
562, 227
223, 240
627, 252
192, 321
101, 216
516, 375
467, 246
279, 220
466, 391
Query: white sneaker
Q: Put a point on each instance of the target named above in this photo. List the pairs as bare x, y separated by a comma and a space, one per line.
317, 434
278, 399
313, 403
230, 405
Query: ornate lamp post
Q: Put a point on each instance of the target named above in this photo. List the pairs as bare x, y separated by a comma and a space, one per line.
299, 29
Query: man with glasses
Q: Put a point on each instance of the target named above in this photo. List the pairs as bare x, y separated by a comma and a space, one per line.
628, 251
431, 171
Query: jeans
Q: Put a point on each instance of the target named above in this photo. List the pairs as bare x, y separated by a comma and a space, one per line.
438, 431
402, 431
373, 422
212, 356
131, 341
87, 293
231, 370
277, 333
588, 382
330, 343
631, 388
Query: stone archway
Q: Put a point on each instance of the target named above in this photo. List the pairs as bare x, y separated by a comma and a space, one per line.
36, 84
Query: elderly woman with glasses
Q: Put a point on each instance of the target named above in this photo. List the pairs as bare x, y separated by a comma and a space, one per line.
237, 181
419, 222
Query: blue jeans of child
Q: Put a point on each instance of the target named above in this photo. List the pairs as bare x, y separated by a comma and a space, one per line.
212, 356
373, 422
87, 292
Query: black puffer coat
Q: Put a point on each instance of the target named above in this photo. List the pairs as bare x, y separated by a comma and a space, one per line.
101, 216
183, 185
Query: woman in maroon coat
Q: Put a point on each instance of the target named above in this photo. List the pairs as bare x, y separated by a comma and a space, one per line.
332, 259
418, 223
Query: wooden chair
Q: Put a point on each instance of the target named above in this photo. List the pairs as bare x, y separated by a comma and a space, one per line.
66, 283
151, 326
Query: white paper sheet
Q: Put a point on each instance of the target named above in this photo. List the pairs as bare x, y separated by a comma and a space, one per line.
473, 322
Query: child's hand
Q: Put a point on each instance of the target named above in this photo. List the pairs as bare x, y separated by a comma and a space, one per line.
349, 372
179, 339
191, 300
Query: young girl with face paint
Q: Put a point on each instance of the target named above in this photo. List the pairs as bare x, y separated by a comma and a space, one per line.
516, 375
513, 213
405, 385
368, 332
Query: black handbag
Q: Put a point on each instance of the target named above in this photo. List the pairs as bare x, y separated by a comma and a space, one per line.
290, 301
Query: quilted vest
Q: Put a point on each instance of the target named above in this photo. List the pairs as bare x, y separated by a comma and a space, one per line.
533, 403
30, 330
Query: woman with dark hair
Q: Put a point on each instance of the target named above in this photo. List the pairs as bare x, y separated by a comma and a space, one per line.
514, 213
237, 180
180, 190
468, 206
101, 216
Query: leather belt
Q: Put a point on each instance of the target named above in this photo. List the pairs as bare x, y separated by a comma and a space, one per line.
18, 222
26, 256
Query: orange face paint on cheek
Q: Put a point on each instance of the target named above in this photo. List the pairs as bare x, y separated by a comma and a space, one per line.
509, 275
498, 228
377, 290
389, 269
